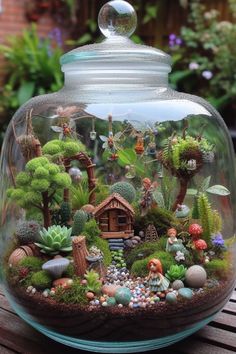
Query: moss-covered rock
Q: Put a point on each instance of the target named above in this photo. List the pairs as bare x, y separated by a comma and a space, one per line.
144, 250
140, 269
34, 264
219, 268
104, 247
41, 280
125, 189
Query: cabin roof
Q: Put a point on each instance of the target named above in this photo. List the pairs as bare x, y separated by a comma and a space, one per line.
115, 196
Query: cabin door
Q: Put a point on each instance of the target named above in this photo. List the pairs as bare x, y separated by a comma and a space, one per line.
113, 221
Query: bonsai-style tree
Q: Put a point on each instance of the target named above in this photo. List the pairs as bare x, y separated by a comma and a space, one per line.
183, 157
37, 185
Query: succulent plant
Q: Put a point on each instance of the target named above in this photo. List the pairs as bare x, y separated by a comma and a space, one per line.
55, 239
27, 232
176, 272
125, 189
80, 219
93, 282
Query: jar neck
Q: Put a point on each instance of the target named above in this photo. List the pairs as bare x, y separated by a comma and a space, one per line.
116, 75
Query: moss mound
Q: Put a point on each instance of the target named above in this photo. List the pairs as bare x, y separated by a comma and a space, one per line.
139, 268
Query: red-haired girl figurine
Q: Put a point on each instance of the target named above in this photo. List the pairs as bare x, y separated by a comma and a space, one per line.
156, 280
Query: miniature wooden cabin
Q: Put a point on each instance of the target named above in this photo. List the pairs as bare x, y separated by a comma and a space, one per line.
115, 217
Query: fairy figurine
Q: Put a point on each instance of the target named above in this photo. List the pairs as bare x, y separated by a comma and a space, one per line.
156, 280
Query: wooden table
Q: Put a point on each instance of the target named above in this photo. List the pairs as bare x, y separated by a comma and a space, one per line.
219, 337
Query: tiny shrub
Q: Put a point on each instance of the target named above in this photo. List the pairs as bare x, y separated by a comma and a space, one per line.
41, 280
34, 264
218, 268
139, 268
104, 247
144, 250
75, 294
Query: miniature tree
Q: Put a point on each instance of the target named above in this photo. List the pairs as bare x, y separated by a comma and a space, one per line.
183, 156
37, 185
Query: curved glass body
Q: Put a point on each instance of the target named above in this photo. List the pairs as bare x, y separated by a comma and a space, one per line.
118, 213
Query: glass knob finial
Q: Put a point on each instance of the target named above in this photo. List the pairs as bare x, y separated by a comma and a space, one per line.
117, 18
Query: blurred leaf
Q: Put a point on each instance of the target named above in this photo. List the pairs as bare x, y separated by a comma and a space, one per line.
25, 92
177, 76
218, 190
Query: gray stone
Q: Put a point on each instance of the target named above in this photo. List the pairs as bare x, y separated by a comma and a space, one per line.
177, 284
195, 277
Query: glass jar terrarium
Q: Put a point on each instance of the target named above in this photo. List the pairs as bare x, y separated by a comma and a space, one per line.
117, 201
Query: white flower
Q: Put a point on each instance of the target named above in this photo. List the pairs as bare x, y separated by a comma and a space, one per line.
207, 74
179, 256
193, 66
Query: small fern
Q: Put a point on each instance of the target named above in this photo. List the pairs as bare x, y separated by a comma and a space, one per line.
176, 156
206, 217
216, 221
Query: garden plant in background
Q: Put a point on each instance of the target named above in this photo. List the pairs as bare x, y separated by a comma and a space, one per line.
205, 55
31, 68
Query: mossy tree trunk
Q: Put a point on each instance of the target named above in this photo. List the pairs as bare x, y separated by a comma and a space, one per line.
182, 193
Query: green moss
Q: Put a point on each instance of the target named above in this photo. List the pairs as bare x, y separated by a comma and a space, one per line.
41, 172
52, 147
75, 294
33, 164
62, 180
53, 169
32, 263
22, 179
104, 247
91, 231
40, 185
41, 280
17, 194
70, 271
219, 268
33, 197
162, 219
144, 250
71, 148
139, 268
125, 189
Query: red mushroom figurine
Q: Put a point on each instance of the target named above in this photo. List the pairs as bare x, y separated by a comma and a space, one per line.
200, 245
195, 231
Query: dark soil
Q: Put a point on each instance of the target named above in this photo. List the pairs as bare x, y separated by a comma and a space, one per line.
122, 324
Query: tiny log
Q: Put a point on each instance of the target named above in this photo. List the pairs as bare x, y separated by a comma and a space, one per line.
79, 255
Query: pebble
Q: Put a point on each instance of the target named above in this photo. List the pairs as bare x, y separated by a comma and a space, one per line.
33, 291
104, 304
185, 293
46, 293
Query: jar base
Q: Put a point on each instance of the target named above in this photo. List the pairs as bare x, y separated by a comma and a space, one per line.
113, 347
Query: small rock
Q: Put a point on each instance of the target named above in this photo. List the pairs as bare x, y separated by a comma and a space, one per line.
64, 282
185, 293
45, 293
123, 295
111, 301
177, 284
90, 295
171, 298
29, 289
110, 290
195, 276
33, 291
104, 304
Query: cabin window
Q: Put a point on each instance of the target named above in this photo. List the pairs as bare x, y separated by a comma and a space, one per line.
122, 220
